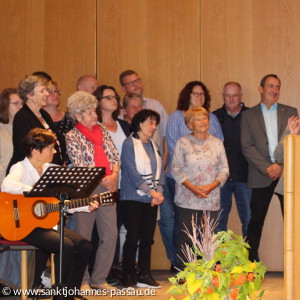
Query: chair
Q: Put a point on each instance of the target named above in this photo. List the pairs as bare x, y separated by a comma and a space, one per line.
24, 247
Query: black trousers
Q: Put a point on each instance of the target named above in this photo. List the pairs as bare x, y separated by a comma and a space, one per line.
140, 222
77, 251
185, 225
260, 202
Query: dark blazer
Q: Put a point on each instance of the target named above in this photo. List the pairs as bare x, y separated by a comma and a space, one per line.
254, 141
125, 127
25, 120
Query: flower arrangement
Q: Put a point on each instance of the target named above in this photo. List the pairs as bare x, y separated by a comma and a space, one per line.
218, 267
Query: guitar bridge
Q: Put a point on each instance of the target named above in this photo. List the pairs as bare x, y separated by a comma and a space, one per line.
16, 213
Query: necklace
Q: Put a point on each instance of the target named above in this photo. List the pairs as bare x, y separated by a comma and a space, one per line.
111, 125
38, 115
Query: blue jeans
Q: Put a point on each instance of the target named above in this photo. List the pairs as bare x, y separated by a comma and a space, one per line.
70, 222
242, 196
167, 222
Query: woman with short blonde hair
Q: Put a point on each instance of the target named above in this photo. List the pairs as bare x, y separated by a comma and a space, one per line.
199, 167
192, 112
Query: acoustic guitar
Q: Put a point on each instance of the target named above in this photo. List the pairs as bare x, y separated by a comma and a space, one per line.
20, 215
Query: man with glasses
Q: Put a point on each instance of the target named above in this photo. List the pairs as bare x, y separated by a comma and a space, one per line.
229, 116
131, 83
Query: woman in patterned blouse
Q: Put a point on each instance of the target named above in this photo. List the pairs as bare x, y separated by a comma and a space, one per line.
199, 167
90, 145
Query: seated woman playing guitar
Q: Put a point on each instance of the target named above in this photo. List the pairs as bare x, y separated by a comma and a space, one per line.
39, 148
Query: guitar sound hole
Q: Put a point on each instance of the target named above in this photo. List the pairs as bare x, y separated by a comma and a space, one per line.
40, 210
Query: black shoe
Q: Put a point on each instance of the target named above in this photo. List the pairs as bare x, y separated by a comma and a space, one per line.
117, 271
112, 281
173, 269
129, 280
146, 280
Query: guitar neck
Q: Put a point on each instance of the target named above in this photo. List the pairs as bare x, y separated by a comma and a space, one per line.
106, 198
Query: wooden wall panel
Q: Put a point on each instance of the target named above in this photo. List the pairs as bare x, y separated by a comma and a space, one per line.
70, 42
226, 52
291, 224
245, 40
21, 40
275, 48
56, 36
158, 39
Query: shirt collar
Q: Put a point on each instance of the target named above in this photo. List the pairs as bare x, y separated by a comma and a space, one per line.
272, 108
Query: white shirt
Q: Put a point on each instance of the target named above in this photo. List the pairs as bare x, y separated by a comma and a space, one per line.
23, 176
270, 117
118, 138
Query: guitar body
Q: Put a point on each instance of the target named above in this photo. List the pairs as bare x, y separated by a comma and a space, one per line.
21, 215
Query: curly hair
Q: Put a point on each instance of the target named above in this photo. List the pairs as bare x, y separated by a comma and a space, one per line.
185, 96
79, 102
99, 94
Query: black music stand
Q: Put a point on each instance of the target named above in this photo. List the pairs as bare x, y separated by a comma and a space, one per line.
66, 183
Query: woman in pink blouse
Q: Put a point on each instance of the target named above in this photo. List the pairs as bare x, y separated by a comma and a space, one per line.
199, 167
90, 145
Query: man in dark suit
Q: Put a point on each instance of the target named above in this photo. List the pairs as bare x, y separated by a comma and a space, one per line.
261, 128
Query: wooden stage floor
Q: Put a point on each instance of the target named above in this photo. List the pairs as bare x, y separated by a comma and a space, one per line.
273, 283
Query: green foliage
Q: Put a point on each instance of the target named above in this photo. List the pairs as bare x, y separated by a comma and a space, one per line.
227, 275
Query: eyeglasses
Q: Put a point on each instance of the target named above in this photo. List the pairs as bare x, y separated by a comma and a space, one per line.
109, 97
51, 92
198, 94
17, 103
133, 82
